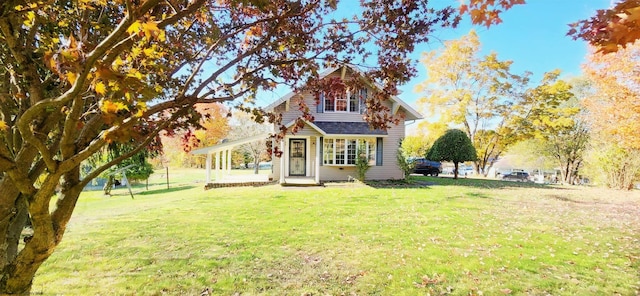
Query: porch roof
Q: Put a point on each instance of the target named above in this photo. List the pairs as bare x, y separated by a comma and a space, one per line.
347, 128
339, 128
230, 144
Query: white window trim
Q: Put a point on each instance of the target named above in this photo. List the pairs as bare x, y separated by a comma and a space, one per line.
348, 104
371, 141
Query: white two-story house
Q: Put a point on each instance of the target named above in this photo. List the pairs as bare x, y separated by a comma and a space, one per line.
325, 149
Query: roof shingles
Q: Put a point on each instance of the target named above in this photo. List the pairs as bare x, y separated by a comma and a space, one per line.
347, 128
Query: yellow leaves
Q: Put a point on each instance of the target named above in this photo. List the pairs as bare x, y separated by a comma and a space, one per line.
134, 28
100, 88
151, 30
108, 106
142, 107
147, 29
71, 77
135, 73
30, 19
150, 51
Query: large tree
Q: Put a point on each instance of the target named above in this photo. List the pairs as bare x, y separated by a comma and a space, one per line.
473, 92
78, 75
493, 106
551, 114
613, 110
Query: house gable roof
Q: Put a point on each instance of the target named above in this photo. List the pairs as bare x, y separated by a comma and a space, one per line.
410, 113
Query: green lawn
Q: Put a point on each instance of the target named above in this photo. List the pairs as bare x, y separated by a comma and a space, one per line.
438, 236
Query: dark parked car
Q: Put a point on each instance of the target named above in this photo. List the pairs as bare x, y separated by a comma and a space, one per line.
426, 167
517, 176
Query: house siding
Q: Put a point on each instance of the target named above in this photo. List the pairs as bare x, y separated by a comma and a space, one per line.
308, 99
389, 168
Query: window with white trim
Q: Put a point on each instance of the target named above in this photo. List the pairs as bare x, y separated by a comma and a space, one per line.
327, 152
344, 152
339, 155
347, 102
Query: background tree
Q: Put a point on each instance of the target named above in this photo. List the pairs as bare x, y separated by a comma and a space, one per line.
473, 92
453, 146
492, 105
613, 165
415, 146
243, 125
613, 109
426, 134
212, 127
553, 117
527, 155
567, 142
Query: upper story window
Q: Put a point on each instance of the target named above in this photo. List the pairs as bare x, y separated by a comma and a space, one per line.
351, 102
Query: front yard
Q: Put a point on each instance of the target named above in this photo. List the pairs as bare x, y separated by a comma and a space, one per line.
440, 236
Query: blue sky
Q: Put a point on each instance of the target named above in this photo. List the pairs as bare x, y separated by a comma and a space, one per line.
533, 36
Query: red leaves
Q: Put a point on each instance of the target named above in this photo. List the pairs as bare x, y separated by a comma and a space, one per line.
189, 141
487, 12
610, 29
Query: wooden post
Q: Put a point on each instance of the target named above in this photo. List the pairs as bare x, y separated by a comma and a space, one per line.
167, 177
124, 178
208, 168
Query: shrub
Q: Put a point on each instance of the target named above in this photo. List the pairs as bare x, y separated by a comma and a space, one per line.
362, 164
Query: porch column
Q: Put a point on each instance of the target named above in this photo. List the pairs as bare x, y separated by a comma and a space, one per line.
318, 160
223, 160
217, 157
229, 162
208, 168
282, 157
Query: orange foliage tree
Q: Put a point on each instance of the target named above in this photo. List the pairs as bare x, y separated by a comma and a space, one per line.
212, 127
613, 114
614, 108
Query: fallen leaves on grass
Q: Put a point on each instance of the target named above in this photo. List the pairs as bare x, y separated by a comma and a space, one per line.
434, 280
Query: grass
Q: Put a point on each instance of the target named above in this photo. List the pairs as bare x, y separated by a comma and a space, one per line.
436, 236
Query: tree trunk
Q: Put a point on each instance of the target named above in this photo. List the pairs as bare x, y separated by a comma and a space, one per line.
455, 170
256, 166
48, 229
108, 185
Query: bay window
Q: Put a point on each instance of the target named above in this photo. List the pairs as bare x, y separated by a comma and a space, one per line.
344, 152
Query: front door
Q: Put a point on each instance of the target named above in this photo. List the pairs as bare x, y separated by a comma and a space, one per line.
297, 157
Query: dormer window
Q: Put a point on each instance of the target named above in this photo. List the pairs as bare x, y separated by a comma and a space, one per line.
351, 102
